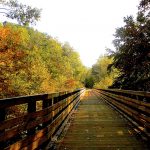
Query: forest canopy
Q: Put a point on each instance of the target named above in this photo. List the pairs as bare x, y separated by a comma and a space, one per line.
32, 62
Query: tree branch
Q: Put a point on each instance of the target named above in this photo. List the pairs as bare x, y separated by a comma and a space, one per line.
5, 9
3, 13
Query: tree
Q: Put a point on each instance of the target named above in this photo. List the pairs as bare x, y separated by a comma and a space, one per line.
24, 14
89, 82
132, 55
12, 57
77, 70
32, 62
100, 74
144, 5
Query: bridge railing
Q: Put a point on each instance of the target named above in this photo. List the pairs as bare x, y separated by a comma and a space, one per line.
134, 104
43, 115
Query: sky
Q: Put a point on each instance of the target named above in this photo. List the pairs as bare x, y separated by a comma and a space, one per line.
88, 25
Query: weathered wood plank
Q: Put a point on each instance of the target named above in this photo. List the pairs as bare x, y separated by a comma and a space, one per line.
20, 120
8, 102
138, 93
145, 107
135, 114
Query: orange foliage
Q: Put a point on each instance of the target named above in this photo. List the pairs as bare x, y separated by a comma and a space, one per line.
70, 83
10, 56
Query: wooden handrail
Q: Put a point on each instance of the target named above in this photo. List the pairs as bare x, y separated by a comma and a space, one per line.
35, 127
136, 93
133, 104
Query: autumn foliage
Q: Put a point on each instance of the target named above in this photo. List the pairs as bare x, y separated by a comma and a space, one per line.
11, 58
32, 62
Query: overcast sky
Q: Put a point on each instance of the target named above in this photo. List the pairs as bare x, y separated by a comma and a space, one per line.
88, 25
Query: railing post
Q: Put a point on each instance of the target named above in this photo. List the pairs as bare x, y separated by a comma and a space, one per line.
31, 108
2, 118
47, 102
55, 100
2, 114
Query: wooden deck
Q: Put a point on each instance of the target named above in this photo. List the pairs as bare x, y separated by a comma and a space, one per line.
95, 125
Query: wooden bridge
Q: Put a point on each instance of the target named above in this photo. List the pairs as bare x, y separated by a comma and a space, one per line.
74, 120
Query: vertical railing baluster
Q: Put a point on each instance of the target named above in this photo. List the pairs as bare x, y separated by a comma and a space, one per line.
31, 108
2, 118
46, 103
2, 114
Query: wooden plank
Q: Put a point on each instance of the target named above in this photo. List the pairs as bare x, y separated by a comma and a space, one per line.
15, 121
46, 104
2, 115
22, 143
8, 102
130, 92
5, 103
31, 108
131, 99
2, 119
23, 127
132, 102
138, 117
